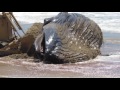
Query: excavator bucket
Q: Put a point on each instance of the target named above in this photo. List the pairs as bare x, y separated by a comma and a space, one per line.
8, 33
22, 45
5, 29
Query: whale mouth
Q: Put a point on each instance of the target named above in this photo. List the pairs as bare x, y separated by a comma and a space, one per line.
47, 44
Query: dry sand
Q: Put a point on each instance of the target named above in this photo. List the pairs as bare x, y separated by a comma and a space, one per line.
34, 31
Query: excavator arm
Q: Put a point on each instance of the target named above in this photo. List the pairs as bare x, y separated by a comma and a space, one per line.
8, 26
13, 22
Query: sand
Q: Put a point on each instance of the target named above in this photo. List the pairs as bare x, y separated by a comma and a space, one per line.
20, 53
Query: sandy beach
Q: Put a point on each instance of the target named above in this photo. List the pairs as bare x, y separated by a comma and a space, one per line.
28, 69
100, 67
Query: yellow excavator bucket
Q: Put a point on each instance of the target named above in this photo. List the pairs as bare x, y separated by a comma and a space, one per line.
8, 24
5, 29
9, 27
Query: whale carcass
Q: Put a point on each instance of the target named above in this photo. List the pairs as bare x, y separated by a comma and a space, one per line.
69, 38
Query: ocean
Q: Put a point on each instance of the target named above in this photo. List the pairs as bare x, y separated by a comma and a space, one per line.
102, 66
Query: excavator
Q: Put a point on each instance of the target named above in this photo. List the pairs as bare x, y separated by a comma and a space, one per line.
11, 42
9, 27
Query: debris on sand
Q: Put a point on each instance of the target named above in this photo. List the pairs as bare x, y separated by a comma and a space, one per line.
18, 49
34, 30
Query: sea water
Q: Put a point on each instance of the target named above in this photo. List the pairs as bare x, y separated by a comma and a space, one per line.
107, 65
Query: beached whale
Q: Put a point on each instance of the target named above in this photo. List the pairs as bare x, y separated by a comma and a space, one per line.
69, 38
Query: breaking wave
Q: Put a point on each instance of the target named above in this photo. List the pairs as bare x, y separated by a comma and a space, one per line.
108, 21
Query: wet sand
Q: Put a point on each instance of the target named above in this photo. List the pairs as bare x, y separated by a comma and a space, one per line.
26, 68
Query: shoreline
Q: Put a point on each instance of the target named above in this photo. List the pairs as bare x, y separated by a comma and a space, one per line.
23, 68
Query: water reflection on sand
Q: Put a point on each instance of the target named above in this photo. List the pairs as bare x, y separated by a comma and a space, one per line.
26, 68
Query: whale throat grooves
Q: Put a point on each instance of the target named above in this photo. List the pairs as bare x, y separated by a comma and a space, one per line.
69, 38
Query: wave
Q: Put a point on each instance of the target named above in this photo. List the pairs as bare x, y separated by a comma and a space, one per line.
108, 21
112, 58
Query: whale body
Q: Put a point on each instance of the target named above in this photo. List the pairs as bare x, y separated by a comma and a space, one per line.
69, 38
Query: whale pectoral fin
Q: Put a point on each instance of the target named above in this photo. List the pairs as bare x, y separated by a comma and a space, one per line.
39, 43
40, 46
